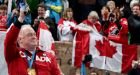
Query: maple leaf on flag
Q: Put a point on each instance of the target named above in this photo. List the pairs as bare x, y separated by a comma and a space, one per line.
105, 48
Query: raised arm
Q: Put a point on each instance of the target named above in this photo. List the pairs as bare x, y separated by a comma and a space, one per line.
10, 43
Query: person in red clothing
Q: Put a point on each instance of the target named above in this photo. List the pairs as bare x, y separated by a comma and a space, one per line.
82, 39
3, 17
114, 27
21, 52
93, 21
64, 25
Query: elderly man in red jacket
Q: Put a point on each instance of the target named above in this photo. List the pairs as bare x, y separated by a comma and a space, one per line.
25, 58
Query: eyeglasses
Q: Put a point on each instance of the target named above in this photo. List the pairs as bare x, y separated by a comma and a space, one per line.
30, 34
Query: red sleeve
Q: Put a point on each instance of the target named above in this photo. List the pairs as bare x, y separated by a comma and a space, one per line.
124, 24
60, 21
10, 44
98, 26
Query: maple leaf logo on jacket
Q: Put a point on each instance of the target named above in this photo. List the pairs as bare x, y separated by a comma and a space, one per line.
105, 48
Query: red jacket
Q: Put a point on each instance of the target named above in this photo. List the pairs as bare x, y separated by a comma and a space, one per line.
44, 63
97, 24
122, 36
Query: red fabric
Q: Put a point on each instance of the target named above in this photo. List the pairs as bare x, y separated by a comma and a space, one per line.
112, 27
124, 31
129, 53
122, 36
42, 25
97, 24
60, 21
82, 47
17, 62
103, 51
3, 21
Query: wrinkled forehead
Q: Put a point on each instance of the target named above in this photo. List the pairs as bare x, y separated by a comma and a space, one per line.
135, 7
29, 30
26, 30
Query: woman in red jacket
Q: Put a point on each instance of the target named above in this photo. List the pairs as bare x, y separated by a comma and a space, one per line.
114, 27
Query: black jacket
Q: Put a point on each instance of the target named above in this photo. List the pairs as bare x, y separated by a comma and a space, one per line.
135, 71
134, 29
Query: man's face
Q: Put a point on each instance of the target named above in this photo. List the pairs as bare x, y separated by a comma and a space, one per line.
136, 10
41, 11
29, 38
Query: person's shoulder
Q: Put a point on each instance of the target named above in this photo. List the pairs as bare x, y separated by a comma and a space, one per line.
85, 21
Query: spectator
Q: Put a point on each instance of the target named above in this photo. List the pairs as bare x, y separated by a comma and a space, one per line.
82, 37
3, 2
133, 2
65, 24
48, 20
135, 68
12, 17
33, 4
100, 4
26, 59
134, 24
93, 21
3, 17
125, 9
35, 24
55, 8
114, 26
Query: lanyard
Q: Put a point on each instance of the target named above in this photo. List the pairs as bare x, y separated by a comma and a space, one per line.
83, 69
30, 61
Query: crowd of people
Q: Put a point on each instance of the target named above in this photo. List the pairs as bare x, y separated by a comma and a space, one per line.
113, 19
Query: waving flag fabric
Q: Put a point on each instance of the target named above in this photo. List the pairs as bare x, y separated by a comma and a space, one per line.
46, 41
106, 54
3, 65
110, 55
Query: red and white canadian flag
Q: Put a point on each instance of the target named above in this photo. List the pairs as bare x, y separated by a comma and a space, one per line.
46, 41
106, 54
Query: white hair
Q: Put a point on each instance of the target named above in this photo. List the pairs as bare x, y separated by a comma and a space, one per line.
23, 27
22, 32
94, 14
110, 2
133, 2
